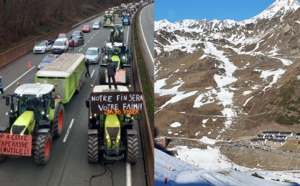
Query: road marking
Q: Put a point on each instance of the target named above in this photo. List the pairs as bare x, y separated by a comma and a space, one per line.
68, 131
145, 39
19, 78
128, 174
93, 73
127, 38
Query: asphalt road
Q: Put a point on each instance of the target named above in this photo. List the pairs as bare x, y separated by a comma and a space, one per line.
68, 165
147, 31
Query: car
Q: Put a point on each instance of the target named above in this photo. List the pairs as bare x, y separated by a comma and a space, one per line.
93, 55
76, 33
42, 46
46, 60
86, 28
60, 45
79, 40
62, 35
96, 25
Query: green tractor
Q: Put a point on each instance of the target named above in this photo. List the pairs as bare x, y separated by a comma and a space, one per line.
109, 20
117, 33
110, 136
120, 54
36, 113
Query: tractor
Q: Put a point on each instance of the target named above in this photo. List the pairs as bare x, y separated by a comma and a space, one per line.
117, 33
35, 112
110, 135
119, 53
109, 20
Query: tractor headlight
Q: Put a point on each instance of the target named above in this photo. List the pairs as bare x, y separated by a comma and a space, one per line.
95, 115
43, 112
106, 57
47, 115
90, 117
123, 58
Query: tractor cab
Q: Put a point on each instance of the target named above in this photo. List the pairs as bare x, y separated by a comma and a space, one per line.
120, 54
121, 51
117, 33
108, 20
32, 102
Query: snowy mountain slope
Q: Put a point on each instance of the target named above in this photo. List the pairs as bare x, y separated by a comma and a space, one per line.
227, 79
178, 172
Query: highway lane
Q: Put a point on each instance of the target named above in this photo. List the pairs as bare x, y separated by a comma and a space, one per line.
147, 31
68, 163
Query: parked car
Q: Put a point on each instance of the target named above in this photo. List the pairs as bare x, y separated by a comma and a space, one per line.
62, 35
42, 46
46, 60
96, 25
60, 45
86, 28
77, 33
79, 40
93, 54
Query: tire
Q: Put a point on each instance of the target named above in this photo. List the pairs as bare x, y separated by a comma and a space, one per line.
59, 120
42, 148
132, 151
128, 75
93, 151
3, 157
102, 75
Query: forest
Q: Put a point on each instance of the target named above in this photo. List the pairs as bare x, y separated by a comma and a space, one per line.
21, 20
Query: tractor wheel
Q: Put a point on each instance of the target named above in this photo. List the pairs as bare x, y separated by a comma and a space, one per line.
93, 149
3, 157
102, 75
59, 120
42, 148
128, 75
132, 149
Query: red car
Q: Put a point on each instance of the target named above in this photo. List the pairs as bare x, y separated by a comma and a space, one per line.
86, 28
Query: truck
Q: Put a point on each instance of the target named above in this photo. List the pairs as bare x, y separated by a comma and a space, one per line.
67, 72
36, 116
111, 134
124, 60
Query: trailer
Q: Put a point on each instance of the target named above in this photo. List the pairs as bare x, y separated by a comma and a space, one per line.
67, 73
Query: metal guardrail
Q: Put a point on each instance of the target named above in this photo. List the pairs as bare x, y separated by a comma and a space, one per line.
145, 127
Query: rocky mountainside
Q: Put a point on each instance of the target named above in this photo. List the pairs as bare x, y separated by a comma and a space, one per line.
227, 79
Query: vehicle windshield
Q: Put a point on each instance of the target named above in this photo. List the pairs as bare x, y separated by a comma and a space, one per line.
42, 43
86, 26
91, 52
31, 102
58, 43
76, 33
48, 59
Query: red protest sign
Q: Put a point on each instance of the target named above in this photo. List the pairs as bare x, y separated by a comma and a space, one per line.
15, 144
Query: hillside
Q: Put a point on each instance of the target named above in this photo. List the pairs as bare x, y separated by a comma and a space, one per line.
22, 20
229, 80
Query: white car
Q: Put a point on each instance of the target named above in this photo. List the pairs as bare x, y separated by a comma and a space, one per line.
60, 45
93, 54
42, 46
96, 25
